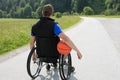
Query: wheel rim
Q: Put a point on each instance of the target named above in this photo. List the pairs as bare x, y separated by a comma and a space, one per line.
33, 67
64, 69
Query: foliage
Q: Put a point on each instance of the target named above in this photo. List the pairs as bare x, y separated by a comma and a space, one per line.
118, 13
58, 15
97, 5
28, 11
75, 14
88, 11
109, 12
1, 13
113, 4
81, 5
66, 13
74, 5
19, 8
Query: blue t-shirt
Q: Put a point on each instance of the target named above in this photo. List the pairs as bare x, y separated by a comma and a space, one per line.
57, 30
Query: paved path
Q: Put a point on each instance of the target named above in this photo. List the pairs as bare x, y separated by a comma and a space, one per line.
113, 29
100, 56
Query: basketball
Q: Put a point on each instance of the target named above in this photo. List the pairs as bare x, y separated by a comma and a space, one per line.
63, 48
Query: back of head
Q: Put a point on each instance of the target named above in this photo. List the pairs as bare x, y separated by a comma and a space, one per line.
47, 10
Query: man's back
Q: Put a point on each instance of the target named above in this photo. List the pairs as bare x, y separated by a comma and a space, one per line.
46, 40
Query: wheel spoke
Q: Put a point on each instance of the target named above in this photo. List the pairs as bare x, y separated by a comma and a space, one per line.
33, 67
64, 68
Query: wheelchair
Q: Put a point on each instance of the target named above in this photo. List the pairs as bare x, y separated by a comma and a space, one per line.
64, 62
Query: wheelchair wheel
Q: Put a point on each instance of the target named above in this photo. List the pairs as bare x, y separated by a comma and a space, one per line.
65, 67
33, 67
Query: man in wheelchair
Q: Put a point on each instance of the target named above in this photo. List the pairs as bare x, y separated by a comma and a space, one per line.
46, 33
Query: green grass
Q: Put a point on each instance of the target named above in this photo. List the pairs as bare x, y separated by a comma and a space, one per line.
67, 21
15, 33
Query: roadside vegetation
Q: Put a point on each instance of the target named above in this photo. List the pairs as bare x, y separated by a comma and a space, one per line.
15, 33
32, 8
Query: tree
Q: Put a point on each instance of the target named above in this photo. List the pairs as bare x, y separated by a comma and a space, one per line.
1, 13
58, 15
28, 8
81, 4
28, 11
68, 5
35, 15
113, 4
22, 3
12, 13
109, 12
74, 5
88, 11
97, 5
39, 9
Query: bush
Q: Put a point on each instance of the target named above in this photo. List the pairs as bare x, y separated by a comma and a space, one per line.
66, 13
76, 14
88, 11
109, 12
8, 16
35, 15
82, 13
118, 13
58, 15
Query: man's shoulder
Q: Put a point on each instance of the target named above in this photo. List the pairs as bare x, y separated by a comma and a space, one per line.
36, 24
56, 22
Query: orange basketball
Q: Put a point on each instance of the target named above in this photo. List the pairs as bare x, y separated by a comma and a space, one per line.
63, 48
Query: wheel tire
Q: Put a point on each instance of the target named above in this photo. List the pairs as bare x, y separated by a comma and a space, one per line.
61, 67
33, 76
48, 67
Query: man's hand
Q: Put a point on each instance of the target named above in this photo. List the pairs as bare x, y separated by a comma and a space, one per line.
79, 55
34, 57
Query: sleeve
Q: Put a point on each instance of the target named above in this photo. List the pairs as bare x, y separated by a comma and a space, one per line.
57, 29
32, 32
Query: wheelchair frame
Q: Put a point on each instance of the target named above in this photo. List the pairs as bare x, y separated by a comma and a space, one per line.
64, 75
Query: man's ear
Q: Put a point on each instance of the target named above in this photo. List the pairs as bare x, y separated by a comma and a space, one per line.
42, 13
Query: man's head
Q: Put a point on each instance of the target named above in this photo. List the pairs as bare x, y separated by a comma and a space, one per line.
47, 10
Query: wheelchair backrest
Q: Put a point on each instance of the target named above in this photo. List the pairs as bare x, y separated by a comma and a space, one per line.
47, 46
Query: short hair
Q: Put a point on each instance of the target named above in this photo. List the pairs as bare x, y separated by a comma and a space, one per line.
47, 10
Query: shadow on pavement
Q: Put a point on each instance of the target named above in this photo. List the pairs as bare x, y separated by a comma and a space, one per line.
73, 77
53, 75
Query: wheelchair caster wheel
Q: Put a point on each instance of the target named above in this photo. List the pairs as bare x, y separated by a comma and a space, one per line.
55, 65
72, 69
48, 67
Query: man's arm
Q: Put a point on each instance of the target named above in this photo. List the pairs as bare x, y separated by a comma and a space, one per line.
69, 42
32, 41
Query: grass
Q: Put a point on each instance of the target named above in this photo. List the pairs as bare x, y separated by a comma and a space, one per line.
15, 33
67, 21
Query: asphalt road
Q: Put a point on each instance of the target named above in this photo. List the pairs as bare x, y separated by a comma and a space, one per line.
100, 60
113, 29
